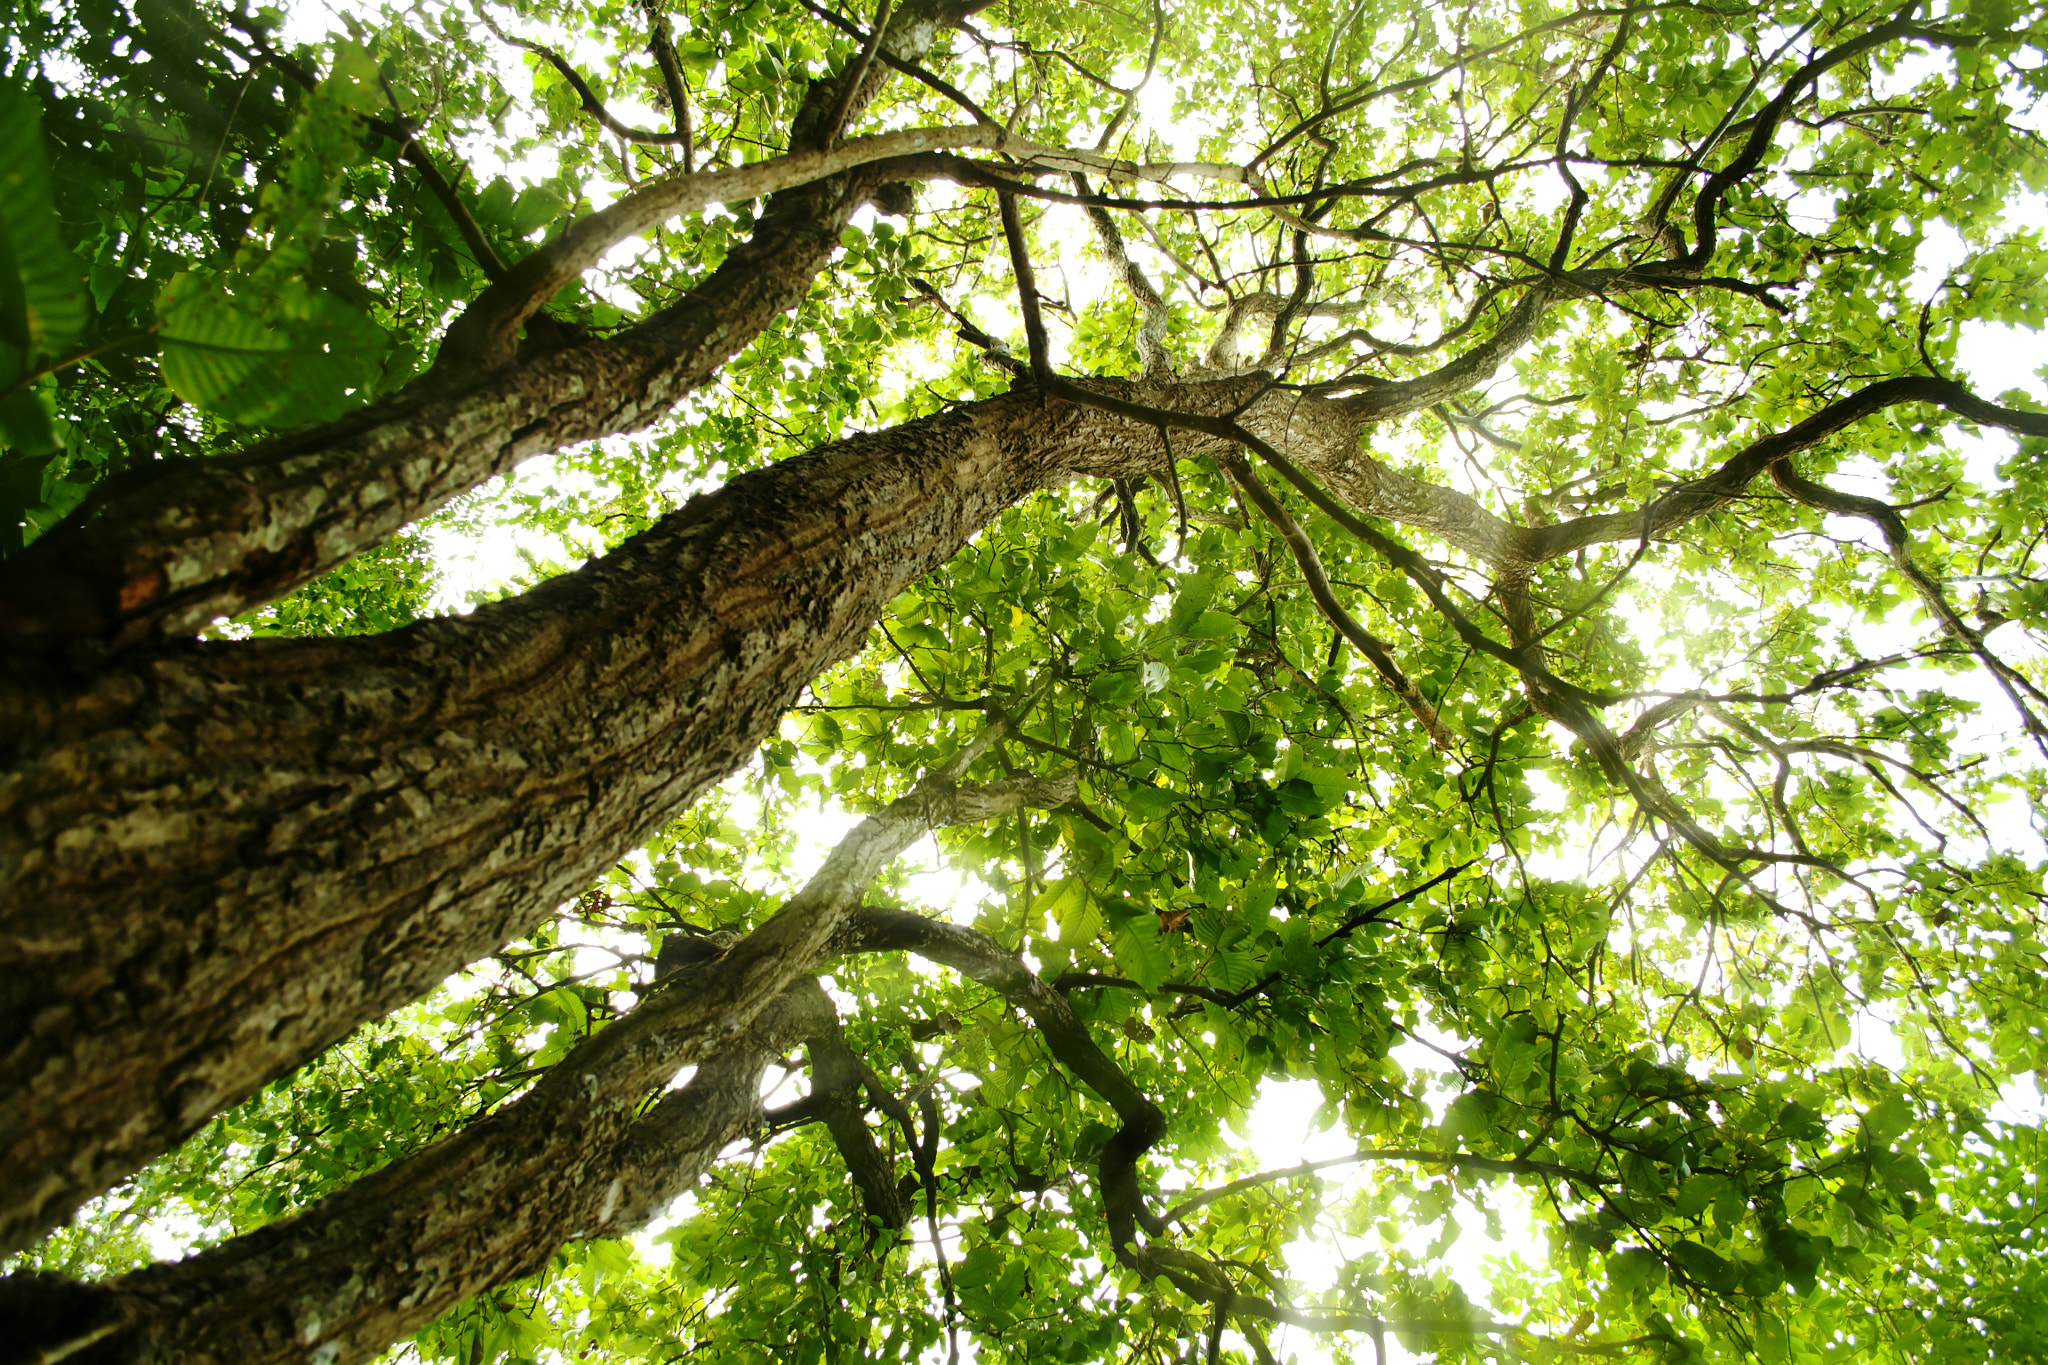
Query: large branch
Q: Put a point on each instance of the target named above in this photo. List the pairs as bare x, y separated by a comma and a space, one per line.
168, 556
1153, 314
1892, 527
1707, 206
1457, 1161
340, 1281
837, 1080
487, 332
1322, 436
572, 1158
1555, 697
1376, 651
217, 860
1699, 497
1141, 1124
213, 538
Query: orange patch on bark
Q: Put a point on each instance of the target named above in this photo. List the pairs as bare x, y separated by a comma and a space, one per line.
143, 588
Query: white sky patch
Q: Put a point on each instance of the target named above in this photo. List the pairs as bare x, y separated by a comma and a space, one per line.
174, 1233
1290, 1124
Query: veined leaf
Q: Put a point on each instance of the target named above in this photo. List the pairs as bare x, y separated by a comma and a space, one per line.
1073, 910
25, 425
1192, 604
43, 303
1212, 625
1136, 943
1707, 1267
1147, 803
292, 357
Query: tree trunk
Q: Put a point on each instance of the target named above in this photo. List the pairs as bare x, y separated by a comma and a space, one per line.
218, 537
221, 857
574, 1157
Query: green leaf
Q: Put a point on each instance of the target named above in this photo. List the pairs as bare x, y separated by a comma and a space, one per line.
44, 305
1634, 1269
1469, 1114
1213, 625
1800, 1122
1301, 798
21, 491
1145, 803
1705, 1267
25, 423
1798, 1256
1138, 950
1118, 688
1697, 1193
15, 341
1075, 912
1773, 1343
1887, 1119
1191, 605
279, 358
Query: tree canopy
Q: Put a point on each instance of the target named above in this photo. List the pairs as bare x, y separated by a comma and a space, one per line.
1361, 532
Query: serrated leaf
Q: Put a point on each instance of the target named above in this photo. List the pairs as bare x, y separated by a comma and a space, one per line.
279, 358
1138, 952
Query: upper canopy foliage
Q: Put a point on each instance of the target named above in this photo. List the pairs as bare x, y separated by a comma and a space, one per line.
1602, 649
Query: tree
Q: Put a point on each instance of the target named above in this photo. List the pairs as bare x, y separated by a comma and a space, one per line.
1504, 431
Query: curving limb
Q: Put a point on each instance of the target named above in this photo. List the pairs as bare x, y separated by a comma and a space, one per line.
1892, 527
662, 46
1153, 314
1376, 651
664, 53
343, 1278
980, 958
838, 1078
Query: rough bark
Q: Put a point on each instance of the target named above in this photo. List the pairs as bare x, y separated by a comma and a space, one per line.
330, 826
216, 537
222, 857
219, 858
837, 1079
339, 1282
572, 1158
